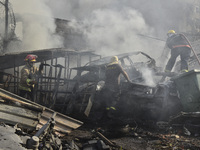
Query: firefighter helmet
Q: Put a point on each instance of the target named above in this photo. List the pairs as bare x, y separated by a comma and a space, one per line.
31, 58
114, 59
171, 31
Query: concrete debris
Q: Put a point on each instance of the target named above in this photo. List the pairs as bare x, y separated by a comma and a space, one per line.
9, 139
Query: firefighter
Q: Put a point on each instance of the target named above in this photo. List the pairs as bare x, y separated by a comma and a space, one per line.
179, 46
113, 71
111, 89
28, 77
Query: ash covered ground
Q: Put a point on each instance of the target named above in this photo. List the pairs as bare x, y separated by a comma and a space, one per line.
137, 137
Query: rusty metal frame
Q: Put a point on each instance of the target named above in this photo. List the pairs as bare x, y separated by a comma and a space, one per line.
51, 74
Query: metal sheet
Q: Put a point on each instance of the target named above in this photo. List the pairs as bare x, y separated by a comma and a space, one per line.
45, 54
18, 115
64, 124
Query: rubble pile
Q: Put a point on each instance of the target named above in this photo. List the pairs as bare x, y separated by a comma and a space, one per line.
135, 138
102, 138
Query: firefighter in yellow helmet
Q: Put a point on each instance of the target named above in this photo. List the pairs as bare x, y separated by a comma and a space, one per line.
179, 46
113, 71
28, 77
171, 31
111, 90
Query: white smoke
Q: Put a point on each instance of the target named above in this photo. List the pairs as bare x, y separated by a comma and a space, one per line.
111, 30
147, 74
116, 30
38, 27
110, 27
113, 25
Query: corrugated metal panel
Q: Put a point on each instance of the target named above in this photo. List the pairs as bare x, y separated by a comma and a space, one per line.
13, 115
18, 58
64, 124
46, 54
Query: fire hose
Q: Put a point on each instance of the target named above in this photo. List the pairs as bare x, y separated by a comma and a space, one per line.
191, 47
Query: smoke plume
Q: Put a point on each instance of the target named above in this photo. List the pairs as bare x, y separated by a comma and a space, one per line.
111, 27
114, 26
38, 27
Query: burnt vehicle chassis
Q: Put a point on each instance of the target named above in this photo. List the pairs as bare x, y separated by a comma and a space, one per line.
80, 96
137, 101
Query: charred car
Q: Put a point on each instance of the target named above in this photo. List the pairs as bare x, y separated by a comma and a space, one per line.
144, 99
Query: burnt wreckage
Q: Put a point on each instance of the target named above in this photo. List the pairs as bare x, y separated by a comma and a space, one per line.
68, 90
140, 100
76, 91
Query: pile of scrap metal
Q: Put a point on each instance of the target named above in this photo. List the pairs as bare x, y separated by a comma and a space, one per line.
188, 122
31, 117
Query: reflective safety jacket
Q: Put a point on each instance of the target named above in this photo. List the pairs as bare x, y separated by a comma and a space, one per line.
177, 40
28, 75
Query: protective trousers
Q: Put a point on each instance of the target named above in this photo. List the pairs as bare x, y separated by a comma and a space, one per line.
184, 53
